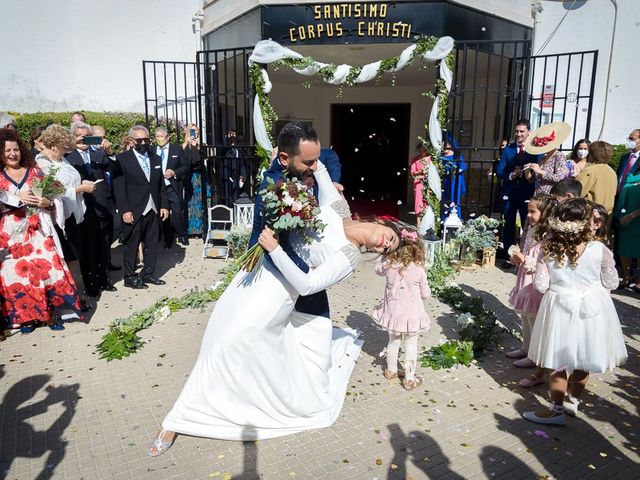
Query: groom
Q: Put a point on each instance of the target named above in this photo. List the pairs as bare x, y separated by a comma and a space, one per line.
298, 153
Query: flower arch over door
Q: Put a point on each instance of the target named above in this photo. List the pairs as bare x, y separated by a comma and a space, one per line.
431, 50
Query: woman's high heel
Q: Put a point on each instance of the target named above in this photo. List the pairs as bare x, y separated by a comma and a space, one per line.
159, 446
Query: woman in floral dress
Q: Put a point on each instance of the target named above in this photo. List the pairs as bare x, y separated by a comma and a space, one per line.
34, 278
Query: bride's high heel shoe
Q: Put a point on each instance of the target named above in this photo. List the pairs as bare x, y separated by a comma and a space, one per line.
159, 446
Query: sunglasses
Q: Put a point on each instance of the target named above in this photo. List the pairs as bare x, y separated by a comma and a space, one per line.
140, 141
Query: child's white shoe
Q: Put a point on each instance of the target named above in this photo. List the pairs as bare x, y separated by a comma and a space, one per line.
558, 417
571, 405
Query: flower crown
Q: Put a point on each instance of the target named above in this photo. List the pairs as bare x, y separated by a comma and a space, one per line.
543, 141
576, 226
408, 236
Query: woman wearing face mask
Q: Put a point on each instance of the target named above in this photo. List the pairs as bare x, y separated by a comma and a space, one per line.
579, 157
598, 179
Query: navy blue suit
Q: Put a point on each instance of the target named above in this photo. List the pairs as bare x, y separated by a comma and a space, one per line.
315, 304
516, 192
330, 160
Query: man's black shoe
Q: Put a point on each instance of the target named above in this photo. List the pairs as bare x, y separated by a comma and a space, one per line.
114, 268
134, 282
183, 241
92, 293
109, 287
154, 281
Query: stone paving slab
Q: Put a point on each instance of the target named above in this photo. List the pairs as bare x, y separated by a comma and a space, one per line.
67, 414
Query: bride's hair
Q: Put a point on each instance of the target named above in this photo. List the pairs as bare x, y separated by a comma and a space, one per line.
568, 228
410, 247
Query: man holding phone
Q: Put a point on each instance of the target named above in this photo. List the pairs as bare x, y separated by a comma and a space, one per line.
97, 227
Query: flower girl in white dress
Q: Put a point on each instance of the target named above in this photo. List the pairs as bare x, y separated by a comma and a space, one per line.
577, 330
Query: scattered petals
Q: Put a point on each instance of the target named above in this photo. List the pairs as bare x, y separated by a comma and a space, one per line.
540, 433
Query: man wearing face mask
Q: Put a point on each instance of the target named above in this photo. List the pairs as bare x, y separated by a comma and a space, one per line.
175, 169
138, 183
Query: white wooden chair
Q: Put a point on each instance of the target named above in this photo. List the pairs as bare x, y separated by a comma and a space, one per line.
220, 222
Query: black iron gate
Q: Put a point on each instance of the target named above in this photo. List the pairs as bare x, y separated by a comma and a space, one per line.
496, 83
487, 97
226, 99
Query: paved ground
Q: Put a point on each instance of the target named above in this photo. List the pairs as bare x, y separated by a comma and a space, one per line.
67, 414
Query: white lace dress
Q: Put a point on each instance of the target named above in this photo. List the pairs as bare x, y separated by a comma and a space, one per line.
265, 370
577, 327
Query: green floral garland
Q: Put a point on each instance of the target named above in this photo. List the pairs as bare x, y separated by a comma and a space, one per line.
423, 44
122, 339
476, 337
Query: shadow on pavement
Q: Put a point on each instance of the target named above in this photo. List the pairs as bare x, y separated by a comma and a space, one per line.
249, 457
496, 462
422, 450
575, 451
20, 439
375, 339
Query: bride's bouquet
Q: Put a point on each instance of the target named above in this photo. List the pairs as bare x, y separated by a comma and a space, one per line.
287, 205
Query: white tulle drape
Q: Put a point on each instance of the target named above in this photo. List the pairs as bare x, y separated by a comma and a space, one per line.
268, 51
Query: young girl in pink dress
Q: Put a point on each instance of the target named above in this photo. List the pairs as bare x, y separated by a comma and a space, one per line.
401, 312
524, 298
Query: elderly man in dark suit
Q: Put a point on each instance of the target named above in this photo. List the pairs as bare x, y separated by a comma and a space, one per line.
516, 189
92, 165
138, 184
175, 169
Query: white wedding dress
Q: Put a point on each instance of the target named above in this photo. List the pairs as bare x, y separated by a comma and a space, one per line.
265, 370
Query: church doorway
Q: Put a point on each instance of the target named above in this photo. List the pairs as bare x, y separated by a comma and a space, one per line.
372, 141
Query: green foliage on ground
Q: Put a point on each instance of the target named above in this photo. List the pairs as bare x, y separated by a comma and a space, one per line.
448, 354
122, 339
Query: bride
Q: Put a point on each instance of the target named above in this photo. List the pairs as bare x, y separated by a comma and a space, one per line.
266, 370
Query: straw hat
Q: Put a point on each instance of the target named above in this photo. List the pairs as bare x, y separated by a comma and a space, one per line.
547, 137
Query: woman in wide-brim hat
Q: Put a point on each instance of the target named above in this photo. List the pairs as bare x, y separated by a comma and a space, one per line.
552, 167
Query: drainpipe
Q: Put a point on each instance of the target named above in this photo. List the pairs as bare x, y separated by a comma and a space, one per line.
536, 9
196, 25
606, 92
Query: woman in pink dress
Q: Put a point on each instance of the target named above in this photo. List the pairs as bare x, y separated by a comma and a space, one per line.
34, 278
419, 166
401, 312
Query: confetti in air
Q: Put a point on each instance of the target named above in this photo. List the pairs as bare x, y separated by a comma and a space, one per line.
355, 150
361, 191
505, 198
362, 179
397, 173
392, 119
399, 202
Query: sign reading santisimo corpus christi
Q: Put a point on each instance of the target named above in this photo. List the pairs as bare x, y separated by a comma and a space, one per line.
339, 23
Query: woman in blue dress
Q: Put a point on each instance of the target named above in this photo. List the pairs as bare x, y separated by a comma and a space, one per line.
193, 183
454, 183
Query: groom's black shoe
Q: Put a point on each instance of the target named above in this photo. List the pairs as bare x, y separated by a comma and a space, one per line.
153, 280
134, 282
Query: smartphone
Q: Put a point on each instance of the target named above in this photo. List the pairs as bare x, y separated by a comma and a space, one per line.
89, 140
193, 133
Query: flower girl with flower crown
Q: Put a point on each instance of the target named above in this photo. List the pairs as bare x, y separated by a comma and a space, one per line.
577, 330
401, 312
